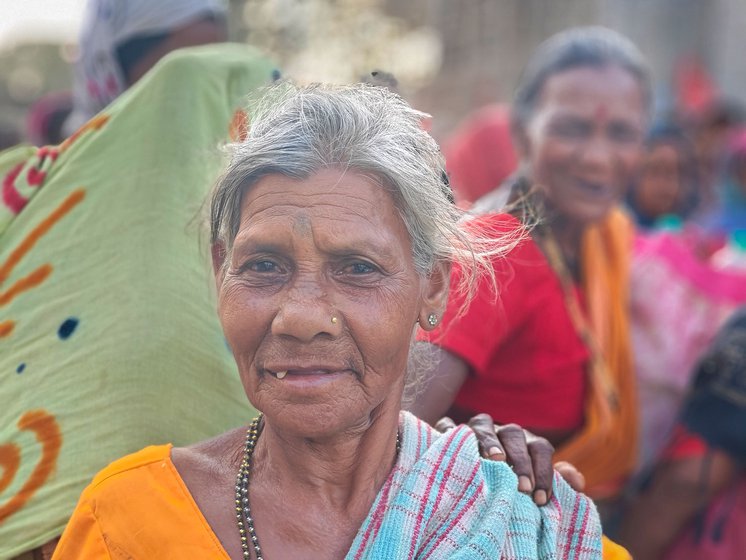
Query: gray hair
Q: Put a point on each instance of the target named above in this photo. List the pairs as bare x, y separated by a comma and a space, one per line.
297, 131
594, 46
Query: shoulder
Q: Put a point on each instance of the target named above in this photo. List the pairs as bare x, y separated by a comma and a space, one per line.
99, 513
456, 451
574, 518
524, 266
483, 495
156, 465
505, 227
209, 458
129, 465
569, 523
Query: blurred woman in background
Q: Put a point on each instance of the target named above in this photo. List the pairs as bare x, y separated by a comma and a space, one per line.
121, 40
551, 351
667, 185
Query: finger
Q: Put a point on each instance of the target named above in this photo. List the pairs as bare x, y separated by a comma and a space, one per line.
445, 424
541, 452
572, 476
513, 441
489, 444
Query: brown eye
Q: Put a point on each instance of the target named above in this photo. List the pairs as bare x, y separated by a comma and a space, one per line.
359, 268
261, 266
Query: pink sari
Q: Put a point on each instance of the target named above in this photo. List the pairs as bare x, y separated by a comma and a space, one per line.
678, 304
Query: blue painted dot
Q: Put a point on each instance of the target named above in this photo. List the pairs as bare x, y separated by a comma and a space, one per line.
67, 328
20, 368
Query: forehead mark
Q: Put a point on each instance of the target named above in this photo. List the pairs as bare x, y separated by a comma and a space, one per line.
302, 224
602, 112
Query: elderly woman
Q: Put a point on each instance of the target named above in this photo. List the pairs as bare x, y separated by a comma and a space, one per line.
333, 238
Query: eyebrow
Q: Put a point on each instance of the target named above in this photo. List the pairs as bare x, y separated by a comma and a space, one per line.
249, 245
348, 248
381, 251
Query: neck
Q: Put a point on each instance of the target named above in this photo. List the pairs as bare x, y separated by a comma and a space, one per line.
342, 471
567, 233
569, 237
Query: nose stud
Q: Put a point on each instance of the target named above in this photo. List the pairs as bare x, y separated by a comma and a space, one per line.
334, 320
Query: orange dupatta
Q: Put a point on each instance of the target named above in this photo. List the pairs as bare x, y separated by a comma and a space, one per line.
605, 449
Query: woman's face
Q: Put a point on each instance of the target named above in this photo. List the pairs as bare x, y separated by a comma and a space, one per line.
659, 189
583, 141
319, 300
202, 32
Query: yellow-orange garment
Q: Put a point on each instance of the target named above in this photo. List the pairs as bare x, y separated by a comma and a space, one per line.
605, 450
139, 508
612, 551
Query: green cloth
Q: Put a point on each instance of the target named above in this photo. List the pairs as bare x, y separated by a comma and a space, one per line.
119, 345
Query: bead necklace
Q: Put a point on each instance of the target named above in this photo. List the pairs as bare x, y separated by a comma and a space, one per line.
243, 510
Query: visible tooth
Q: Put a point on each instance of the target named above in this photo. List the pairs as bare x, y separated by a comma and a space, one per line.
281, 374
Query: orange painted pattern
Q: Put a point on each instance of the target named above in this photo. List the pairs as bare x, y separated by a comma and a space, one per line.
43, 272
31, 281
49, 436
38, 232
94, 124
10, 460
6, 327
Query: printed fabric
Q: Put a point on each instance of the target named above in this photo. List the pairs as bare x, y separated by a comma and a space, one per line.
109, 339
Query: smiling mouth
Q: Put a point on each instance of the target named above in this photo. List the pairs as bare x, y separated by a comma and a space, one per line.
597, 190
305, 372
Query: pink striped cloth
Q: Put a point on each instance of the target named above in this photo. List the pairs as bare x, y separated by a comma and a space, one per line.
442, 500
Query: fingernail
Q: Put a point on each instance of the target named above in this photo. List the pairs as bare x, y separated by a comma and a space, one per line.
495, 453
540, 497
524, 484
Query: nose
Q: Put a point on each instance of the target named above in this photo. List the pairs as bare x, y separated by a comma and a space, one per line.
597, 158
305, 314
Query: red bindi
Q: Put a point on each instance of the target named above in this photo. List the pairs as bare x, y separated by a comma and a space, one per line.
602, 113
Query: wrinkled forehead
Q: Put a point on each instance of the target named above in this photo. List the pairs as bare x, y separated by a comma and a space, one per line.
340, 202
331, 186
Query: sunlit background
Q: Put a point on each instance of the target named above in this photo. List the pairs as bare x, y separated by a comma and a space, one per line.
450, 56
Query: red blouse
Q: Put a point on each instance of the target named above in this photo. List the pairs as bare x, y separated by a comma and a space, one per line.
527, 362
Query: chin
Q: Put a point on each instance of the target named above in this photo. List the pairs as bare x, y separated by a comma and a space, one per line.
309, 421
316, 420
591, 215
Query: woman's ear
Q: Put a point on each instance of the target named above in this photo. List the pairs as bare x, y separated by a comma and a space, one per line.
435, 296
217, 250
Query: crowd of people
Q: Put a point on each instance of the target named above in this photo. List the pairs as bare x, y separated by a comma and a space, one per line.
528, 344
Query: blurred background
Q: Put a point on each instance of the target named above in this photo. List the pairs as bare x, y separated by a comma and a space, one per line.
449, 56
